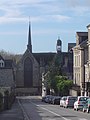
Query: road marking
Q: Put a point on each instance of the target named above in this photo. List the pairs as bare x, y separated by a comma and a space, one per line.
49, 111
25, 115
53, 113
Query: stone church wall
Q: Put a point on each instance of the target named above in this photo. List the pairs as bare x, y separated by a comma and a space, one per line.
19, 78
19, 75
36, 78
27, 91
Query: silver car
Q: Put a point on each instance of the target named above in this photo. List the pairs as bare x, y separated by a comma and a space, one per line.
69, 102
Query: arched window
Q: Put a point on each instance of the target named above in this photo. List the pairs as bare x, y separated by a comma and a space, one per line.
28, 73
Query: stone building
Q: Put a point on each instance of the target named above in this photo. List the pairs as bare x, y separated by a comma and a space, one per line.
30, 67
27, 72
81, 66
80, 59
7, 81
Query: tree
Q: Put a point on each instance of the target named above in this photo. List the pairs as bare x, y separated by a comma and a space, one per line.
64, 85
55, 79
60, 85
57, 64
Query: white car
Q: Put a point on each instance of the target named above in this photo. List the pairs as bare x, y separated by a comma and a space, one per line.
78, 104
62, 101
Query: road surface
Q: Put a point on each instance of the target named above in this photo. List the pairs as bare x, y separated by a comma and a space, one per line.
34, 109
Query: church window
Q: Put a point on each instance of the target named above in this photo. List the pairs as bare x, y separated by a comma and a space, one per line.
28, 73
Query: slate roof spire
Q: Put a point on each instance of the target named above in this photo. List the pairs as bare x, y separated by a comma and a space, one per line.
29, 46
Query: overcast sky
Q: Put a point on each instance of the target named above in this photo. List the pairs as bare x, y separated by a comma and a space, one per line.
50, 19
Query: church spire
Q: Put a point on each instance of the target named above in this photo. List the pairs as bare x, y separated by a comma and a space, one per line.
29, 46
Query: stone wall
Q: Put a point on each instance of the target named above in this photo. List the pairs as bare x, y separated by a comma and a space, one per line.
27, 91
6, 78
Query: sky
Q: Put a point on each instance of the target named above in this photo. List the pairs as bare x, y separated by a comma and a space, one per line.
49, 19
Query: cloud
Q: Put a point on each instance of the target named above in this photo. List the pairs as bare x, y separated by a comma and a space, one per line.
80, 11
41, 31
50, 18
61, 18
73, 3
12, 19
78, 7
12, 11
45, 18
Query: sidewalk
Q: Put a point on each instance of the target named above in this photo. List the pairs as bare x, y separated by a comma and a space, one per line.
15, 113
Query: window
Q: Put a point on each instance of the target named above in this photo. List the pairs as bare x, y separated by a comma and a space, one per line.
28, 72
1, 63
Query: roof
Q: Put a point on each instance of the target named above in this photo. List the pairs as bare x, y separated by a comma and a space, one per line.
1, 58
45, 56
83, 44
88, 25
82, 33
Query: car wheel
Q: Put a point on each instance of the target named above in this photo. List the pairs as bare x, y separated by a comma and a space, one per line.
74, 108
87, 110
53, 103
83, 110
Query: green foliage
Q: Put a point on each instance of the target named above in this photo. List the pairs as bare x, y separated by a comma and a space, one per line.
55, 78
55, 67
61, 85
11, 99
8, 99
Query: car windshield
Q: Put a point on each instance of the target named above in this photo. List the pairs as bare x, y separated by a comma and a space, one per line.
72, 98
83, 98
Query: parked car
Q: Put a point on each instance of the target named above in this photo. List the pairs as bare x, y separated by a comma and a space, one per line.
86, 106
69, 102
81, 100
48, 98
56, 100
62, 101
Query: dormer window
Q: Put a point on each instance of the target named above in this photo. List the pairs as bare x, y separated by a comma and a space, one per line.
2, 63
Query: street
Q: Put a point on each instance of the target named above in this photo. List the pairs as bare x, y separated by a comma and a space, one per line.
34, 109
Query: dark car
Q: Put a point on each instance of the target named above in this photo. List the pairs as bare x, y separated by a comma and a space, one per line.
86, 106
43, 98
48, 98
56, 100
